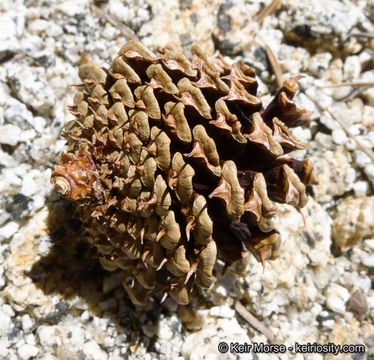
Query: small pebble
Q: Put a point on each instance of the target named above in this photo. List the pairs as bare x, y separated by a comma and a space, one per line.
5, 322
164, 332
27, 351
3, 349
358, 304
339, 137
27, 323
361, 188
93, 350
10, 134
221, 290
368, 261
30, 339
8, 230
222, 311
336, 298
319, 63
48, 336
352, 68
16, 113
85, 315
361, 158
7, 309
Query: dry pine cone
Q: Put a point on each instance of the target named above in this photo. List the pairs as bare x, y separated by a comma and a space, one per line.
173, 163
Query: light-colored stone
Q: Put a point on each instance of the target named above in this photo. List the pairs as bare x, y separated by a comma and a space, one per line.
319, 63
16, 113
352, 68
27, 323
5, 323
3, 348
368, 261
73, 337
30, 339
336, 298
32, 88
334, 172
361, 188
354, 220
72, 8
8, 230
164, 332
48, 336
339, 137
27, 351
8, 41
93, 350
208, 339
12, 135
222, 312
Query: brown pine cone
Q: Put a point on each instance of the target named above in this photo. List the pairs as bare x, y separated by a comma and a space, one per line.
173, 163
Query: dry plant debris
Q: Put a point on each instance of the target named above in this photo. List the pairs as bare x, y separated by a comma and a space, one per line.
173, 163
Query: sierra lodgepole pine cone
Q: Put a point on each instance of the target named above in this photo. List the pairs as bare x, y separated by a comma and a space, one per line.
173, 163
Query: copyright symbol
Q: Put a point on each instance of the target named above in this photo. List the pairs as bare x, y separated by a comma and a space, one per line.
223, 347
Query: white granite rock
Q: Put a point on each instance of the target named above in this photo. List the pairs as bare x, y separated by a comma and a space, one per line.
27, 323
3, 348
8, 230
368, 261
30, 339
352, 68
5, 322
93, 350
336, 298
9, 43
339, 137
319, 63
31, 88
294, 60
12, 135
222, 311
16, 113
73, 336
48, 336
164, 332
354, 220
72, 8
38, 26
334, 172
208, 341
361, 158
27, 351
327, 21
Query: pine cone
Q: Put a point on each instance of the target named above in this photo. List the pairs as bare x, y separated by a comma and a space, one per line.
173, 163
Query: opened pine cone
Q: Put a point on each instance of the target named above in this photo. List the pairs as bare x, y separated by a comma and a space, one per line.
173, 163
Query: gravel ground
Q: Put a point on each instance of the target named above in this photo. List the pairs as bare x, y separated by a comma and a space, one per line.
57, 303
